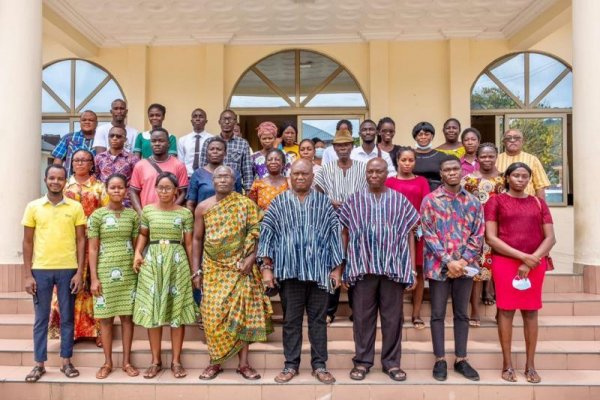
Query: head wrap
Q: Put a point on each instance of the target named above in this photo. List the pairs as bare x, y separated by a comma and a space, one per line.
266, 127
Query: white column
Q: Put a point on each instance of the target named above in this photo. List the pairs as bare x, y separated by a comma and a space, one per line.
20, 102
586, 140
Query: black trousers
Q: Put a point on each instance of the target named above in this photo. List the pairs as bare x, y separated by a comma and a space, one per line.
372, 294
460, 290
297, 296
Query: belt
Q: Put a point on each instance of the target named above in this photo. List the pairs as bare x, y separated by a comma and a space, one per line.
166, 241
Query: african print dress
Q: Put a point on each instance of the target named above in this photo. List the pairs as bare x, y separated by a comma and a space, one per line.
235, 309
263, 193
164, 289
91, 195
117, 234
483, 189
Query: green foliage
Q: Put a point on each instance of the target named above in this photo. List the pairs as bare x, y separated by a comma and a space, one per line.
490, 98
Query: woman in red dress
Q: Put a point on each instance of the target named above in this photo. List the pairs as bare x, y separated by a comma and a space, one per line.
520, 232
415, 188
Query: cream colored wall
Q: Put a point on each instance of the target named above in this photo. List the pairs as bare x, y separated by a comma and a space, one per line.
409, 81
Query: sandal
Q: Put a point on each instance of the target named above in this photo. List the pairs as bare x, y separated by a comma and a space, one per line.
178, 371
397, 374
248, 373
488, 300
35, 374
286, 375
152, 371
323, 376
104, 371
509, 374
358, 373
532, 376
130, 370
418, 323
210, 372
69, 370
474, 322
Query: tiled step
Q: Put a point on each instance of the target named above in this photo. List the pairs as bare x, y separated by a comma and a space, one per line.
415, 355
555, 385
554, 304
19, 326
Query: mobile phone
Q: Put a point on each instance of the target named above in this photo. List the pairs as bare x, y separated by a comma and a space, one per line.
36, 301
331, 285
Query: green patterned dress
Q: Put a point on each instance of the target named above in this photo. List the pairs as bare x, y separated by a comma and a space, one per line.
115, 260
164, 290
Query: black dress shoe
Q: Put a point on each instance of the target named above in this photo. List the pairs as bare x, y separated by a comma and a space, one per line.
463, 368
440, 370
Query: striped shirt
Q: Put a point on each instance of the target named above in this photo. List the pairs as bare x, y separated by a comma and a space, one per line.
539, 179
378, 228
302, 238
338, 184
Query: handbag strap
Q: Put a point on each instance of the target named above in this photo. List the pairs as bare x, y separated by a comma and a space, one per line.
155, 165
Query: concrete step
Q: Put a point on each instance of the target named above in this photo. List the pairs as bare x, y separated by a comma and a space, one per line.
554, 304
566, 355
555, 385
19, 326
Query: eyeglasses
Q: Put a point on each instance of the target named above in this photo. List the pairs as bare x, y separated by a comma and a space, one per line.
165, 189
115, 135
513, 138
228, 119
81, 160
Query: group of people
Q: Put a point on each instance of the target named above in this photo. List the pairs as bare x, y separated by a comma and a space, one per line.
162, 232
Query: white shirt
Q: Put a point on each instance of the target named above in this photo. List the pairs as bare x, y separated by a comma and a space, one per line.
329, 155
359, 154
101, 137
186, 149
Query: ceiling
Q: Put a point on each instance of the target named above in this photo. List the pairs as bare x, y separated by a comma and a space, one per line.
175, 22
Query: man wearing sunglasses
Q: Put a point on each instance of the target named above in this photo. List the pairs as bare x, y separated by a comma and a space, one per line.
513, 144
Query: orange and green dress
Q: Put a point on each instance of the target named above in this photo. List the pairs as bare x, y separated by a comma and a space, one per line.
92, 195
235, 309
483, 189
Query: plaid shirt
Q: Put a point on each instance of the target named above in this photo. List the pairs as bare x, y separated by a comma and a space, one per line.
238, 157
453, 228
69, 144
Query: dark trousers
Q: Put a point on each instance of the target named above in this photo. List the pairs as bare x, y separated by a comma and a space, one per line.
46, 280
371, 294
297, 296
460, 290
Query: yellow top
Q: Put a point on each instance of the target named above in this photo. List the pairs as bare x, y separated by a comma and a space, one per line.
292, 151
54, 240
459, 152
539, 179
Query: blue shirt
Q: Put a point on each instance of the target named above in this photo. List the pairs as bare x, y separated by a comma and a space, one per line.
201, 185
302, 238
68, 145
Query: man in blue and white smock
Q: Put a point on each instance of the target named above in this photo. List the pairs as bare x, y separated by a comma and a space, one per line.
300, 247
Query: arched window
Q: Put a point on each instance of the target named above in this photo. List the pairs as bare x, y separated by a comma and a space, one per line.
309, 88
532, 92
68, 88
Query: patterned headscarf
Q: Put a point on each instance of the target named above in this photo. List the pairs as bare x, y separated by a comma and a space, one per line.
266, 127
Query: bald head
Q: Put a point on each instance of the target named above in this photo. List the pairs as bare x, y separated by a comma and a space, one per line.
301, 175
223, 180
377, 170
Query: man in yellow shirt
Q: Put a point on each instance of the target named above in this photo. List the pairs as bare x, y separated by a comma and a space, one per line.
513, 143
53, 255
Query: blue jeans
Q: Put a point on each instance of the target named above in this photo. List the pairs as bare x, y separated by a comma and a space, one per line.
46, 280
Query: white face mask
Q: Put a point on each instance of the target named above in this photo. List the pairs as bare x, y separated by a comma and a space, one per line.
521, 284
423, 148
